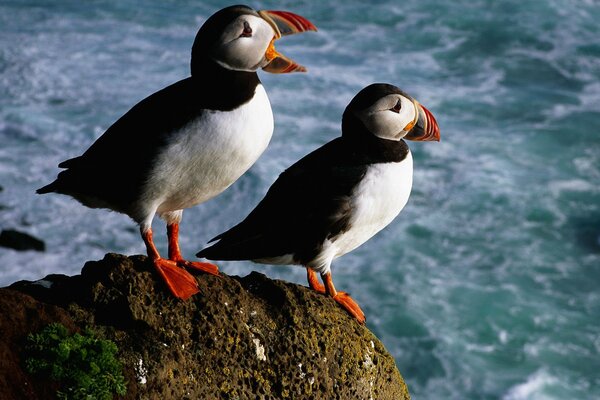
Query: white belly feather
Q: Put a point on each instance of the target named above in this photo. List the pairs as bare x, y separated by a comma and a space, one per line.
206, 156
377, 200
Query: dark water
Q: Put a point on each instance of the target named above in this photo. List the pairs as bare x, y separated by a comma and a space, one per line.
485, 287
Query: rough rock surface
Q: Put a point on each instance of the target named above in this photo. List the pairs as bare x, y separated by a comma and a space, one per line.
240, 338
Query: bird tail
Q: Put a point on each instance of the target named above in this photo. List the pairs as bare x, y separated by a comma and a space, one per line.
233, 248
47, 189
216, 252
58, 185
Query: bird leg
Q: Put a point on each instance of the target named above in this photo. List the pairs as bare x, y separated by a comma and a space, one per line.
342, 298
313, 281
180, 282
175, 253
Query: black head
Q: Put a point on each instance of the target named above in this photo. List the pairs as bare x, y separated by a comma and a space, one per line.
387, 112
220, 30
239, 38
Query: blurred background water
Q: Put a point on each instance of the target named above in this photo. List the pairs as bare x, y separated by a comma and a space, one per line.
485, 287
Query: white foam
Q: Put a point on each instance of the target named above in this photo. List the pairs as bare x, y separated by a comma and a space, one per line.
538, 386
572, 185
587, 101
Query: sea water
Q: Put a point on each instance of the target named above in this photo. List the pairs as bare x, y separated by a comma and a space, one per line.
487, 286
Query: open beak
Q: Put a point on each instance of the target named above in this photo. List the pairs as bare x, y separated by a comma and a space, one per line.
283, 23
426, 127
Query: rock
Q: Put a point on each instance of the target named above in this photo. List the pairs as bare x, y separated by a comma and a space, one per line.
21, 314
240, 338
20, 241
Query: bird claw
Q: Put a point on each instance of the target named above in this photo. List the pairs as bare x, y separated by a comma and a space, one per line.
181, 283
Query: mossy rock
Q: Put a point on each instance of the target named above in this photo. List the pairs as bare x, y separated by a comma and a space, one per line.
84, 365
240, 338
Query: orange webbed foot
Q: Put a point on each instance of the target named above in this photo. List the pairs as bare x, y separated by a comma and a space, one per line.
175, 253
351, 306
200, 266
342, 298
181, 283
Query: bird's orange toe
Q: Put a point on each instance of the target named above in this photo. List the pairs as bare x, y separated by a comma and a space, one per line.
181, 283
351, 306
200, 266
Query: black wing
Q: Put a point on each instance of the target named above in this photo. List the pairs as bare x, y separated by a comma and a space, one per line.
114, 167
308, 203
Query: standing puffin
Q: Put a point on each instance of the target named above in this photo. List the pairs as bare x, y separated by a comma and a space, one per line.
188, 142
339, 196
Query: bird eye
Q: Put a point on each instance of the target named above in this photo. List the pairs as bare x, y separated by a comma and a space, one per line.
247, 32
397, 107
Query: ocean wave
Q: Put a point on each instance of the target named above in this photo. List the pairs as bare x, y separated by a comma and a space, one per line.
539, 386
489, 269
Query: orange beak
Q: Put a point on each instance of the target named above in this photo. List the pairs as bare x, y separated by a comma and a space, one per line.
426, 128
283, 23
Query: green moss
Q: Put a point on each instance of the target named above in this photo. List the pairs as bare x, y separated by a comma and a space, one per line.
85, 365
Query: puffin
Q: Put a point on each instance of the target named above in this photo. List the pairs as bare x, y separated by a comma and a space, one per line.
337, 197
188, 142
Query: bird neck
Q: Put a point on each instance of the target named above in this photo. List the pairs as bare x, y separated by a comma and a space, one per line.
227, 88
358, 137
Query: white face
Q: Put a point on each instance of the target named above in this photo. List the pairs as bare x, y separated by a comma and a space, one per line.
390, 117
243, 44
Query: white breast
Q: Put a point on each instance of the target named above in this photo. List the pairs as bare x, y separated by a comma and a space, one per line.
377, 200
209, 154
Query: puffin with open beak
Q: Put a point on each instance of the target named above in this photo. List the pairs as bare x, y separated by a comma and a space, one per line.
188, 142
339, 196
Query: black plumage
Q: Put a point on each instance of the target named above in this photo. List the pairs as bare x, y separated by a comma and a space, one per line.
115, 167
112, 171
308, 203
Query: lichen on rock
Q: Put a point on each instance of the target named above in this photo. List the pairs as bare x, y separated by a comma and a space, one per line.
84, 365
239, 338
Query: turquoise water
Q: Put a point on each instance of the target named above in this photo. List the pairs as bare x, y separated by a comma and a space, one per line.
485, 287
